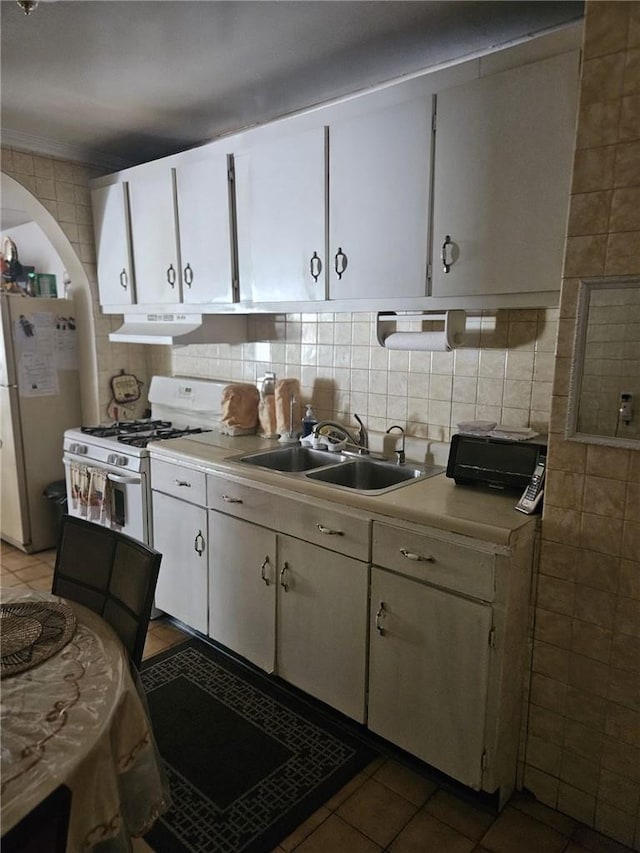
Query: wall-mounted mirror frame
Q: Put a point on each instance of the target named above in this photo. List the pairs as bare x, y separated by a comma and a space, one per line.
606, 363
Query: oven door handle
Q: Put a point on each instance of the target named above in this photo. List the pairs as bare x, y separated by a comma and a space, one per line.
128, 481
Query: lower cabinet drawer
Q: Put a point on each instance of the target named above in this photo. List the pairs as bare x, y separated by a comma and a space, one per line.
183, 483
336, 530
445, 564
242, 501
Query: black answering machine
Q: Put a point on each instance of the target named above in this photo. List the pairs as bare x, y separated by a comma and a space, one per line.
497, 463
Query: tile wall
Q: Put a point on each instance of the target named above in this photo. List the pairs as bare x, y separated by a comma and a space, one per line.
583, 749
503, 373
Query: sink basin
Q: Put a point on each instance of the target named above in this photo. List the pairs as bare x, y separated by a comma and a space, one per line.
292, 460
371, 475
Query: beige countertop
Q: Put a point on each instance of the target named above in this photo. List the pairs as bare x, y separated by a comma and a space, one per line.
435, 502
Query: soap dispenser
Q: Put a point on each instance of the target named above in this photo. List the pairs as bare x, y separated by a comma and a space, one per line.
308, 421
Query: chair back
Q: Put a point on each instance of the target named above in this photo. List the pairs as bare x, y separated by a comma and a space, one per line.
44, 828
111, 574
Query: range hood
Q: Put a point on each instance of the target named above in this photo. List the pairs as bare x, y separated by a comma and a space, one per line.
181, 329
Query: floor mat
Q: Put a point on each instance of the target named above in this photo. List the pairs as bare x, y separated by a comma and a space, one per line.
248, 760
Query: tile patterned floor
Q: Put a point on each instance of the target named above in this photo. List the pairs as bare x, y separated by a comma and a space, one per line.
388, 807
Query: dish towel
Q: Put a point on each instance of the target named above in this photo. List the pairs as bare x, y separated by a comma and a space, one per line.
79, 488
288, 411
90, 493
239, 409
99, 497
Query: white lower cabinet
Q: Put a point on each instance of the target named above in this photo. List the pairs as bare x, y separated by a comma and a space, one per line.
419, 633
242, 588
322, 624
180, 534
428, 673
288, 605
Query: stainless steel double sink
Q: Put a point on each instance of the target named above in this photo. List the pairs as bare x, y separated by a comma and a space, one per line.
343, 470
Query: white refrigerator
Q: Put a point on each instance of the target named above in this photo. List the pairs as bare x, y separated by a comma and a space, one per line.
39, 399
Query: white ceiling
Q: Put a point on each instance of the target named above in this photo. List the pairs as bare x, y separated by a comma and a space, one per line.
119, 82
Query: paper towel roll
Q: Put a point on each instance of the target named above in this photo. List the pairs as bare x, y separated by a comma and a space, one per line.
429, 341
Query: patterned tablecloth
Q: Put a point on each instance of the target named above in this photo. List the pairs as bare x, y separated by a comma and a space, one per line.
78, 717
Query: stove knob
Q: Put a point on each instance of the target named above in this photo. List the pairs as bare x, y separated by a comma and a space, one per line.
122, 460
80, 449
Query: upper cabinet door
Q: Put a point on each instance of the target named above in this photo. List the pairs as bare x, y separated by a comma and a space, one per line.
116, 283
202, 191
379, 178
280, 192
503, 155
155, 238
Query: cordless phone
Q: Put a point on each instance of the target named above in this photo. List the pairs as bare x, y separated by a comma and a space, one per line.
532, 495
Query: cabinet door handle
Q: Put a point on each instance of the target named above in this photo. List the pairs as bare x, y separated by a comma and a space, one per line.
379, 615
417, 557
124, 279
283, 583
328, 531
171, 275
199, 543
188, 275
263, 568
340, 262
315, 266
229, 500
446, 264
183, 483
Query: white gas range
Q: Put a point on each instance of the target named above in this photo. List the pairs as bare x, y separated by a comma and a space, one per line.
115, 456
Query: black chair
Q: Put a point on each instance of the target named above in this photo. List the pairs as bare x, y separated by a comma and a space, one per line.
111, 574
44, 828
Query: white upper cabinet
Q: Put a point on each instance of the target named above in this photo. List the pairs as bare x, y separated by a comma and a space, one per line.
280, 198
202, 192
379, 185
155, 236
116, 282
181, 236
503, 154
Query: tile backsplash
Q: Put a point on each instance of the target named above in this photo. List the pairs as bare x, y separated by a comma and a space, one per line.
502, 372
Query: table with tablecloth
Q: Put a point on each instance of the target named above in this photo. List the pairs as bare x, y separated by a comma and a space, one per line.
72, 712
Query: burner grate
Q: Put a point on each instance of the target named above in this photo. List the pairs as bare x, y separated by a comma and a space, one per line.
159, 434
125, 428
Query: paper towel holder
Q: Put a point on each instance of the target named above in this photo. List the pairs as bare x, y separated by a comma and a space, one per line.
454, 325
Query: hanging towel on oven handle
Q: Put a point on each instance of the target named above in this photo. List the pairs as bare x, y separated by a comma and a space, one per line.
99, 497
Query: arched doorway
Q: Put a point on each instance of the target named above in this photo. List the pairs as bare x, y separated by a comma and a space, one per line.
17, 197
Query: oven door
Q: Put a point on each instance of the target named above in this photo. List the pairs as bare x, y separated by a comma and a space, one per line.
128, 496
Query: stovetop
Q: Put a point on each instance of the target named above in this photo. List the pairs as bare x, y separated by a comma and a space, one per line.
139, 433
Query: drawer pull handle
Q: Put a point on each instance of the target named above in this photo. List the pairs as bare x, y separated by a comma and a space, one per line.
328, 531
124, 281
379, 614
263, 567
183, 483
283, 583
229, 500
198, 544
417, 557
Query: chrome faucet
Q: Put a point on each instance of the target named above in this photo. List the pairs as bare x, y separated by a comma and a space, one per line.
359, 440
400, 455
